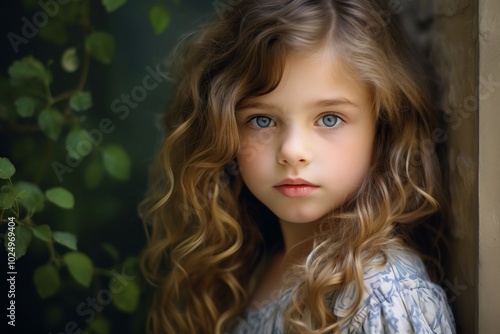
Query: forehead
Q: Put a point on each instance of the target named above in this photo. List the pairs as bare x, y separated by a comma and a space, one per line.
309, 77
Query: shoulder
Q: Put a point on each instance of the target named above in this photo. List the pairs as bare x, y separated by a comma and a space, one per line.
398, 298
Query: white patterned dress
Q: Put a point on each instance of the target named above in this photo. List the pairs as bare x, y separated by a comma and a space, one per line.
399, 298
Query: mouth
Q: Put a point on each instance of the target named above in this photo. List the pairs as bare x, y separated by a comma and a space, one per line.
294, 182
295, 188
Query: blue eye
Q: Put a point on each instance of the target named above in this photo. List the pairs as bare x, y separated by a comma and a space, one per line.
262, 122
329, 120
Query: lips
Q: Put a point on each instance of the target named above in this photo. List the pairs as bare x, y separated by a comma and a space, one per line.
295, 188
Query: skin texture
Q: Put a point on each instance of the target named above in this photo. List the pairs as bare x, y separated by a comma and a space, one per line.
317, 125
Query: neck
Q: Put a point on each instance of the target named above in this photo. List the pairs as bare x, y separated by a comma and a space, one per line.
297, 237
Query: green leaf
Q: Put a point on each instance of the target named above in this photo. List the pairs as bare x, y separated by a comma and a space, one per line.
128, 298
7, 169
98, 326
101, 46
80, 101
29, 68
30, 196
60, 197
111, 250
7, 198
116, 162
43, 232
112, 5
54, 32
159, 18
131, 264
78, 145
72, 12
22, 239
25, 106
93, 174
70, 60
65, 238
50, 121
47, 280
80, 267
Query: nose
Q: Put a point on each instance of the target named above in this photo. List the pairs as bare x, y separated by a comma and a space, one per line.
294, 149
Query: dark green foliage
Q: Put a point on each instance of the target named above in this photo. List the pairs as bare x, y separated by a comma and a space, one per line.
54, 161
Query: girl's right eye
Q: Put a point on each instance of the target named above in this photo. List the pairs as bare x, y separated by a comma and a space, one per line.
262, 122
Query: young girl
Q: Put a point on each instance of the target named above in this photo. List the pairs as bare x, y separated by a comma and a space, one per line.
299, 158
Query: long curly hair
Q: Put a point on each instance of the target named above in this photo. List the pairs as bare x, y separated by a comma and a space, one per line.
206, 232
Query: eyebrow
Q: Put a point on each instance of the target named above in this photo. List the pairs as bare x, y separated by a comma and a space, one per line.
319, 103
332, 102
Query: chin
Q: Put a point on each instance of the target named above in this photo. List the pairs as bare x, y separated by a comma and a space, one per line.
299, 218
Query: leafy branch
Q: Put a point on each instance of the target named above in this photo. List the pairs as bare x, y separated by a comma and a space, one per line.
35, 109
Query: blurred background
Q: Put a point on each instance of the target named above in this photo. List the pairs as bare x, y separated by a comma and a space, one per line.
82, 87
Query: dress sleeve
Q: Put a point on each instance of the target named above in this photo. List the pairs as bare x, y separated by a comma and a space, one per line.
417, 308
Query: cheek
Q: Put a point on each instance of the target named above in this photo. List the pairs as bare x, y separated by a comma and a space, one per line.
253, 146
352, 161
358, 175
246, 154
250, 169
362, 161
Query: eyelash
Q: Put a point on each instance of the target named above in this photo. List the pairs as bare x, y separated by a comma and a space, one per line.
252, 121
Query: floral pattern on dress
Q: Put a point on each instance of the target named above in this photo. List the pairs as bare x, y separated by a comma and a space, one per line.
398, 298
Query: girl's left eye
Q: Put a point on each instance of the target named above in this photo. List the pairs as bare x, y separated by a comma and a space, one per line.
329, 121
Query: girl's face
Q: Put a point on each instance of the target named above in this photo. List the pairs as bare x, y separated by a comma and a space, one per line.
306, 147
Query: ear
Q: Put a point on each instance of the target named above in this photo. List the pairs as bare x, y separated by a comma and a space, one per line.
232, 168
